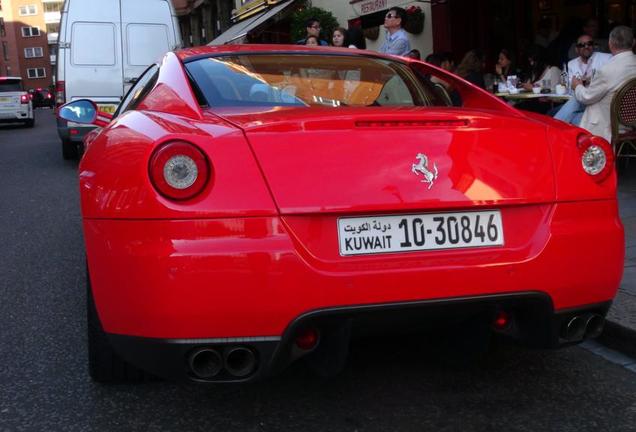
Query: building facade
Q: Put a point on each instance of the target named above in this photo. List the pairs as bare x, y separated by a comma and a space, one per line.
28, 39
202, 20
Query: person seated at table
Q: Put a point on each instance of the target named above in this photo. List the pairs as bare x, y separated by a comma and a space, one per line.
471, 68
542, 72
504, 66
584, 67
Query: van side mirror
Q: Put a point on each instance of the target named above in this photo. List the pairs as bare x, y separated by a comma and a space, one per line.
79, 111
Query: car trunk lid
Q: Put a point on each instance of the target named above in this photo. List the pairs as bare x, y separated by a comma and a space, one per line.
403, 159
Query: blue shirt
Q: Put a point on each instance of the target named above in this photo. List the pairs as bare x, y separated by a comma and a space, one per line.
396, 43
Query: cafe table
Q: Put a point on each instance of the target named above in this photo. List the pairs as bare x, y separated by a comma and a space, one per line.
517, 97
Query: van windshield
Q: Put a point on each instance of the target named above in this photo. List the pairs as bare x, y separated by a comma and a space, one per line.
308, 80
10, 85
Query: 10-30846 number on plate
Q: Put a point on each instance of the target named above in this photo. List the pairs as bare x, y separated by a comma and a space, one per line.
401, 233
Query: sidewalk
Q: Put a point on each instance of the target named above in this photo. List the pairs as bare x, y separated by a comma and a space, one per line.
620, 329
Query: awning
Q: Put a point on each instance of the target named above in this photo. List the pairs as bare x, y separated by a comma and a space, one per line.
238, 31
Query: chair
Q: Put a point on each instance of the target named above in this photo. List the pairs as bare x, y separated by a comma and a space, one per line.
623, 115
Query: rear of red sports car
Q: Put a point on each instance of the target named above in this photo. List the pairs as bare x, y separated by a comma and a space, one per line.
249, 206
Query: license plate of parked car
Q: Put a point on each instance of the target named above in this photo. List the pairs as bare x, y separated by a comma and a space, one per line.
110, 108
417, 232
6, 100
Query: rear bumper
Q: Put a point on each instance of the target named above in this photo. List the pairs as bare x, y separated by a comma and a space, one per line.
23, 114
535, 324
73, 133
252, 277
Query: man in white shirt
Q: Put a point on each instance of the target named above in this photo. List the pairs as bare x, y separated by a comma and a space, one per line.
583, 67
597, 97
397, 42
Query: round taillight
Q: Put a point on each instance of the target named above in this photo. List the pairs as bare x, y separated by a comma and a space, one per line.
179, 170
597, 157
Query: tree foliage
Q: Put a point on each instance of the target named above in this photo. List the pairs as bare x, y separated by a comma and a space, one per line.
327, 22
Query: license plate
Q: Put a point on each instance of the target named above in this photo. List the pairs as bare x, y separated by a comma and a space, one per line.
430, 231
6, 99
110, 109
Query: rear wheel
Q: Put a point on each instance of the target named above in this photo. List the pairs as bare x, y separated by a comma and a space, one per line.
69, 149
30, 122
104, 365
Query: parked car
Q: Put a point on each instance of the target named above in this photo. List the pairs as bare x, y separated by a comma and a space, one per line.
248, 206
131, 35
15, 103
42, 97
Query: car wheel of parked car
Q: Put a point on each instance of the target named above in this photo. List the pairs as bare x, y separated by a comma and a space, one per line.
30, 122
69, 150
104, 365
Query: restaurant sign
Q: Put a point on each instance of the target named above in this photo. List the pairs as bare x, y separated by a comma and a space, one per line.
365, 7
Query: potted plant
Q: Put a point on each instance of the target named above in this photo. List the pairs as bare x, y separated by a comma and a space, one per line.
414, 20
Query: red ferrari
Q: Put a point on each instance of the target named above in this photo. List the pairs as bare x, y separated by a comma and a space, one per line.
248, 206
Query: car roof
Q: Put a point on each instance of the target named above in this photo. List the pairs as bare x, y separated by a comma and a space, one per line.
5, 78
205, 51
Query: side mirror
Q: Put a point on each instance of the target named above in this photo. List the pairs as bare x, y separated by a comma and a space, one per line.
79, 111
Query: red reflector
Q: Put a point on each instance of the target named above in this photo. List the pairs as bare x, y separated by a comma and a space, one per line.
74, 132
502, 320
307, 339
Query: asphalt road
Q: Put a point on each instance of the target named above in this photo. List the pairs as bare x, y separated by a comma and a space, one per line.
403, 385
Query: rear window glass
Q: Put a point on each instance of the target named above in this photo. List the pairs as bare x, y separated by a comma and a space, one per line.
10, 85
309, 80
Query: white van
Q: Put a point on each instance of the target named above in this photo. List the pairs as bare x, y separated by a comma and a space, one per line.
104, 45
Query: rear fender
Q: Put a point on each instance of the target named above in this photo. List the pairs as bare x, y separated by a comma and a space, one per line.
114, 180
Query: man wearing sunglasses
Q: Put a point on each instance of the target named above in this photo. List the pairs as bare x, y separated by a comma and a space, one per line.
397, 42
597, 96
583, 67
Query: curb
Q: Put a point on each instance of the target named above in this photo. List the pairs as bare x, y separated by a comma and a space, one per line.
619, 338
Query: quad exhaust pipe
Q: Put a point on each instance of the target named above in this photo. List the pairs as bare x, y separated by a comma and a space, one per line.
206, 362
581, 327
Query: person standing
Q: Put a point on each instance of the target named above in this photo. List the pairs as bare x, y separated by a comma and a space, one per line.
597, 97
339, 38
397, 42
584, 67
312, 28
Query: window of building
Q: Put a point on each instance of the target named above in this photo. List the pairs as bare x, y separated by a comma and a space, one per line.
27, 10
36, 73
3, 30
53, 7
33, 52
30, 31
5, 51
52, 28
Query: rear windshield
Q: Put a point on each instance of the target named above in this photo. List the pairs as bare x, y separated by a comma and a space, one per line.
10, 85
308, 80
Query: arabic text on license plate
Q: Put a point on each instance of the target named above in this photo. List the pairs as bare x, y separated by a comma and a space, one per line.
417, 232
107, 108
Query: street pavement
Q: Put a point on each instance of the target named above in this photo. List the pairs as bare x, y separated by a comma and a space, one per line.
620, 332
403, 384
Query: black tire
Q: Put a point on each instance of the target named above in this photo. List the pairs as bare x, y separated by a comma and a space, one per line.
104, 365
30, 122
69, 150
